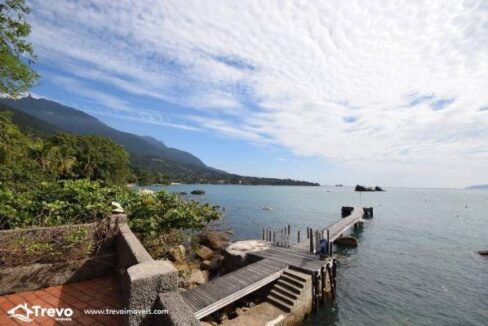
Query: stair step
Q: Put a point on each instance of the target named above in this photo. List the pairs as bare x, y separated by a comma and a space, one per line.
275, 294
292, 281
279, 304
289, 287
285, 291
296, 275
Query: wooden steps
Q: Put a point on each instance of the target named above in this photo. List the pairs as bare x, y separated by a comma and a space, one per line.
287, 290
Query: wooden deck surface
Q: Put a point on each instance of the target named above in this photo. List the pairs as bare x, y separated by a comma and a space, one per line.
296, 258
338, 228
218, 293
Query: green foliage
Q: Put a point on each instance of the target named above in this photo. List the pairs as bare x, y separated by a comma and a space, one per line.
55, 203
27, 161
150, 214
92, 157
16, 76
72, 179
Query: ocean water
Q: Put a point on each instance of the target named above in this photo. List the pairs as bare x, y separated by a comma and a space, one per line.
416, 263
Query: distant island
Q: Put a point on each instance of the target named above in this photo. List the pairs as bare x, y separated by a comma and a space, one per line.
151, 161
363, 188
478, 187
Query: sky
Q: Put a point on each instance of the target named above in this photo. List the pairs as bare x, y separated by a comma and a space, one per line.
393, 93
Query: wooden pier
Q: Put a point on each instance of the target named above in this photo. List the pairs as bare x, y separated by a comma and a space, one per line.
273, 262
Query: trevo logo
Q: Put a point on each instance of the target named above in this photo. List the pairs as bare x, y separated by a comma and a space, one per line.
24, 313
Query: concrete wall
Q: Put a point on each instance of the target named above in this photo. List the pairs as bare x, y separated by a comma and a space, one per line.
148, 284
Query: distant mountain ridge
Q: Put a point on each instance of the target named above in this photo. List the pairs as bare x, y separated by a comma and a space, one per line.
44, 118
484, 187
78, 122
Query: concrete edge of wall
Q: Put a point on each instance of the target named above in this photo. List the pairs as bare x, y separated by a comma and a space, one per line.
176, 311
130, 251
143, 279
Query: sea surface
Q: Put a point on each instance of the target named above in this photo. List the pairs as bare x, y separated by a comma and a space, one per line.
416, 263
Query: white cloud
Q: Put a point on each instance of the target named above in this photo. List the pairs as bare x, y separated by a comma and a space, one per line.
335, 79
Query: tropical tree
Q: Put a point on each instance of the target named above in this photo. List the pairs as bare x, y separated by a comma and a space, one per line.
16, 53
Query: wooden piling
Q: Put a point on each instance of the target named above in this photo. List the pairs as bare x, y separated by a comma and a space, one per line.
269, 235
263, 234
289, 229
311, 242
298, 236
274, 237
322, 283
331, 282
317, 289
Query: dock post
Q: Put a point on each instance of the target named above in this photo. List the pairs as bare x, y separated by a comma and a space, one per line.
274, 237
317, 289
328, 242
322, 280
289, 229
269, 235
311, 242
298, 236
263, 234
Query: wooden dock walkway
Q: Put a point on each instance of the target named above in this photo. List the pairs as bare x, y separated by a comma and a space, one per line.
218, 293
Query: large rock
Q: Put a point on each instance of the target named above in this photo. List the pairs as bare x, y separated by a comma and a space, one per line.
350, 242
178, 253
215, 240
483, 252
198, 277
235, 255
205, 253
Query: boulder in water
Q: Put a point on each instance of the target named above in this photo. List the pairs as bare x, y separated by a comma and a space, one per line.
347, 241
483, 252
198, 192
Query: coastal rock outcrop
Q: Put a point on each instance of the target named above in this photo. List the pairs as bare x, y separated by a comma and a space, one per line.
198, 192
347, 241
363, 188
215, 240
204, 252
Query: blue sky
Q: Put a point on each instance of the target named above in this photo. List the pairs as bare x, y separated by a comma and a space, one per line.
337, 92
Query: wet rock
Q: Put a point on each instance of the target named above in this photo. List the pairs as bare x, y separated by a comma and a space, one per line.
198, 192
350, 242
205, 253
483, 252
178, 253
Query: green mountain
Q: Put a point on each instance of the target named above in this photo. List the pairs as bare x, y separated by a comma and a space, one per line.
78, 122
150, 158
